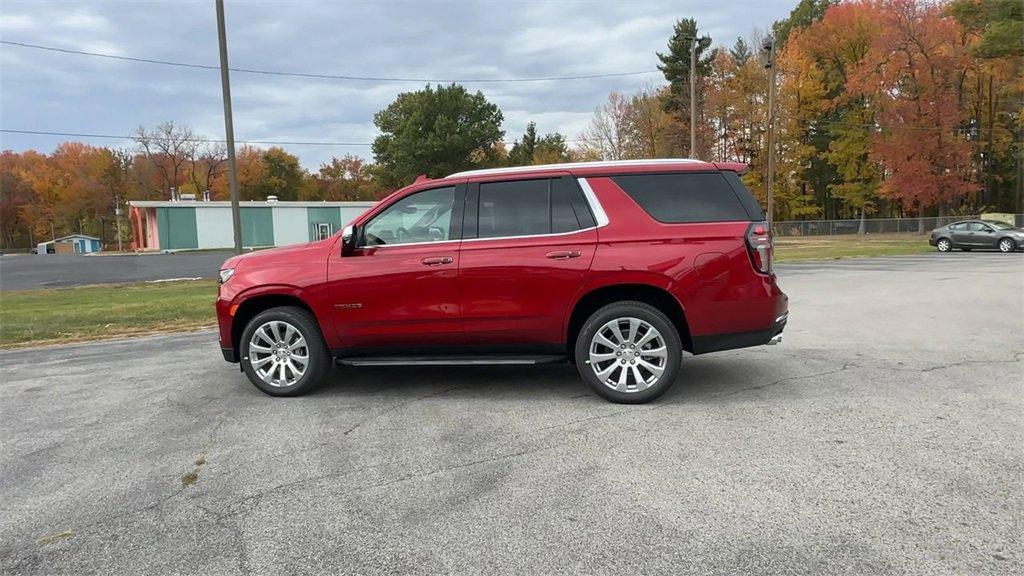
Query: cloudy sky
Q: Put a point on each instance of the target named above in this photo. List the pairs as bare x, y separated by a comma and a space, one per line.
58, 92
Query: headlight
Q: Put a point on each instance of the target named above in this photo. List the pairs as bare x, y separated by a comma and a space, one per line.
226, 274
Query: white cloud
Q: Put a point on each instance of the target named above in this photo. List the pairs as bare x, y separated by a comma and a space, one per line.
449, 40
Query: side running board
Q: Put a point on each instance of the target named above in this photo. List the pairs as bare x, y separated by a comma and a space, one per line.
450, 360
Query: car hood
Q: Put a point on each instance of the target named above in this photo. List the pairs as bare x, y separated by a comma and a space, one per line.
274, 255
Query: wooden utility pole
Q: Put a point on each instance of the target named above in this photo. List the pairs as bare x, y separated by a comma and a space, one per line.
768, 50
236, 219
693, 97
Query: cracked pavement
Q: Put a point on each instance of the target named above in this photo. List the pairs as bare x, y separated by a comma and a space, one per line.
884, 436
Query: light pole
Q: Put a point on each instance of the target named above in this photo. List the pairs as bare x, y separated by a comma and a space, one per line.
768, 50
236, 219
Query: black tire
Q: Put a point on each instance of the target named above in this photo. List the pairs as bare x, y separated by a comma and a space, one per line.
645, 313
319, 357
1007, 245
944, 245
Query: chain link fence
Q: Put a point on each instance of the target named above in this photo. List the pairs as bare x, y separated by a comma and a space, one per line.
871, 225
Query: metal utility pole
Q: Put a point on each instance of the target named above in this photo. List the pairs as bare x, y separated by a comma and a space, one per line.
769, 62
229, 129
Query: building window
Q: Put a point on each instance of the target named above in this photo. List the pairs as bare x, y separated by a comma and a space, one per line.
322, 230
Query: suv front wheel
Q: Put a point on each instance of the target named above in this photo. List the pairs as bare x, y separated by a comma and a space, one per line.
283, 353
629, 352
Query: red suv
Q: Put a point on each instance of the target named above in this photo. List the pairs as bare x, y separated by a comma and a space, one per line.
617, 267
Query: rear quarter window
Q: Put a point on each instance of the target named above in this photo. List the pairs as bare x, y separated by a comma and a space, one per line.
680, 198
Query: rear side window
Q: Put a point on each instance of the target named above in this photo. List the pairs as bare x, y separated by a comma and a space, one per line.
745, 195
679, 198
530, 208
518, 208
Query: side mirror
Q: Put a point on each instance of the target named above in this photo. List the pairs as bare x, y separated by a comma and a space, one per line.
348, 240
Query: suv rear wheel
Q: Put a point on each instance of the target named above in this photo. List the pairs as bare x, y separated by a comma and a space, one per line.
629, 352
283, 353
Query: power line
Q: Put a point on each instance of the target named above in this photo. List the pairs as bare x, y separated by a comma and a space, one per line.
196, 139
193, 139
328, 76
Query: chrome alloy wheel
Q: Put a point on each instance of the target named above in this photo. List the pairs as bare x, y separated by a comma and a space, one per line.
628, 355
278, 353
944, 245
1006, 245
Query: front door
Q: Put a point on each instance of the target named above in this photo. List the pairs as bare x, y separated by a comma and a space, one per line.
398, 287
526, 252
984, 235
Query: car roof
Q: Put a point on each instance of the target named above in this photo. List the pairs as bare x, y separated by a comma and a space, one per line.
605, 167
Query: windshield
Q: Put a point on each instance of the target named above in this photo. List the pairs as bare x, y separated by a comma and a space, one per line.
998, 225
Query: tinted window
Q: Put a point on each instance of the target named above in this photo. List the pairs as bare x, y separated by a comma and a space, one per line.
978, 227
519, 208
563, 218
746, 197
569, 188
675, 198
421, 217
958, 226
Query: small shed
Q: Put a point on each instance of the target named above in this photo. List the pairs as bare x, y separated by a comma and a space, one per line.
73, 244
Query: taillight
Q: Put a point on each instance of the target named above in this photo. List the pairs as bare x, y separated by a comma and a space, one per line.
759, 246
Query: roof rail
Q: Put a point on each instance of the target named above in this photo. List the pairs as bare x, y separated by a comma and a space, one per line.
569, 165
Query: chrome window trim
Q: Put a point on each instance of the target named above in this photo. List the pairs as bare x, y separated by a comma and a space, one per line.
600, 217
531, 235
424, 243
572, 165
595, 206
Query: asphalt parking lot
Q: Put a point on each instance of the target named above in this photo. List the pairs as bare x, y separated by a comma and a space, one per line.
29, 271
882, 437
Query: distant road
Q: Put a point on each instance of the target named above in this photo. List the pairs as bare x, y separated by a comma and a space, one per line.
30, 271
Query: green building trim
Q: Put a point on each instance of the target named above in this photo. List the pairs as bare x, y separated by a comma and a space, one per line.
177, 228
257, 227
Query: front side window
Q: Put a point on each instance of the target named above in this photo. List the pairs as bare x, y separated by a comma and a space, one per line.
421, 217
979, 227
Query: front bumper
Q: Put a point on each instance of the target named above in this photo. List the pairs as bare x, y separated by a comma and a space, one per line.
229, 354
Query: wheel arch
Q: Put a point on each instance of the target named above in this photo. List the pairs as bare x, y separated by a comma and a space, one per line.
656, 296
249, 307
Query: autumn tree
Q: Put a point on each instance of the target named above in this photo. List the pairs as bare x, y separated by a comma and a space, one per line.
348, 178
923, 153
606, 138
169, 148
206, 162
435, 131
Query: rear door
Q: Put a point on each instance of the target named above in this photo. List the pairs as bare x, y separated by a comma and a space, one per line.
526, 251
962, 234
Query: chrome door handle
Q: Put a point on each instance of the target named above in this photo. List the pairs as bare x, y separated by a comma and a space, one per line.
563, 255
437, 260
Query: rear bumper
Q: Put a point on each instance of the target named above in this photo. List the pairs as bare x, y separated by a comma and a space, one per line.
720, 342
